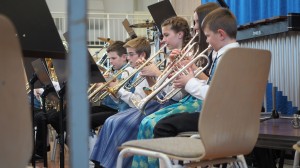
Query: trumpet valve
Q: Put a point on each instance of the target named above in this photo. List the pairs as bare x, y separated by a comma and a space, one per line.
112, 91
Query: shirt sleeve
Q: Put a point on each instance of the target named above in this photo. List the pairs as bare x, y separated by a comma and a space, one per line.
177, 96
124, 75
138, 94
197, 88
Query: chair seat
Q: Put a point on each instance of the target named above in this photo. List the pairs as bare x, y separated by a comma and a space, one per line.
175, 147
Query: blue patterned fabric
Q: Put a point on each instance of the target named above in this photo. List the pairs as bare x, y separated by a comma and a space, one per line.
188, 104
118, 129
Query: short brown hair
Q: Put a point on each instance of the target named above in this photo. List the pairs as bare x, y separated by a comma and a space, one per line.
221, 18
117, 46
141, 44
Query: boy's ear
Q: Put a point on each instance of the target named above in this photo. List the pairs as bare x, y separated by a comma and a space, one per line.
222, 33
124, 56
143, 54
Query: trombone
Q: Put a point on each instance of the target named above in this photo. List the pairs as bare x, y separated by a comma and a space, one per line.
113, 90
141, 104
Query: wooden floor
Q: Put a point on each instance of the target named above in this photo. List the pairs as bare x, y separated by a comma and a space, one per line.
53, 163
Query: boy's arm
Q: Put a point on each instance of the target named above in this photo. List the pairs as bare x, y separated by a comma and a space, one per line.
138, 93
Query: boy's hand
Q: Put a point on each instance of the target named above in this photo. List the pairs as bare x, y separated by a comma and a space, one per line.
113, 83
182, 79
140, 61
150, 70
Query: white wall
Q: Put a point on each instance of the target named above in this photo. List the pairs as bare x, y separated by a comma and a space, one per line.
57, 5
185, 7
118, 6
182, 7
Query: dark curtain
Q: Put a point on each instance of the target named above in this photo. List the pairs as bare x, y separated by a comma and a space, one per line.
252, 10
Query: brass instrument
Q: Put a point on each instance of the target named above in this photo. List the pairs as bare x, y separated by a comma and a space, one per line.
100, 63
140, 79
106, 73
169, 70
97, 95
51, 69
113, 90
185, 51
28, 88
141, 104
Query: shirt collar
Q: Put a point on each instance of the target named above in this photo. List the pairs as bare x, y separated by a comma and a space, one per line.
225, 48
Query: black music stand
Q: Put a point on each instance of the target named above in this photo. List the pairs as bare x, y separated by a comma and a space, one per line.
95, 73
161, 11
37, 33
33, 83
49, 92
35, 26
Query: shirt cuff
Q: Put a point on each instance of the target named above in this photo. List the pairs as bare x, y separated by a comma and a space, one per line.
193, 84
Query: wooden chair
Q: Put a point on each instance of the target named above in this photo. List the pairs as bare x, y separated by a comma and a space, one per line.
229, 120
15, 120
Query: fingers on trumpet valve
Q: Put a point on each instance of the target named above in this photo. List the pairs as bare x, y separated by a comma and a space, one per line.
175, 54
140, 61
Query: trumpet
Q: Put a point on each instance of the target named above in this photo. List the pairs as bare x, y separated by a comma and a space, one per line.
185, 51
140, 79
141, 104
97, 95
113, 90
168, 70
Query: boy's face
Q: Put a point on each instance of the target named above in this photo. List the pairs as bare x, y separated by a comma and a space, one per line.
132, 56
214, 39
171, 38
115, 60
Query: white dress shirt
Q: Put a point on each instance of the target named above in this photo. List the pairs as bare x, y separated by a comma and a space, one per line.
138, 93
198, 88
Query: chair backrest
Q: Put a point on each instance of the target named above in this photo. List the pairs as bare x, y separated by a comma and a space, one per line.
15, 118
229, 120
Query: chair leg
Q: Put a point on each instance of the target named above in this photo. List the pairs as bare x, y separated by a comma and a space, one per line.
174, 165
296, 160
130, 151
242, 160
54, 149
